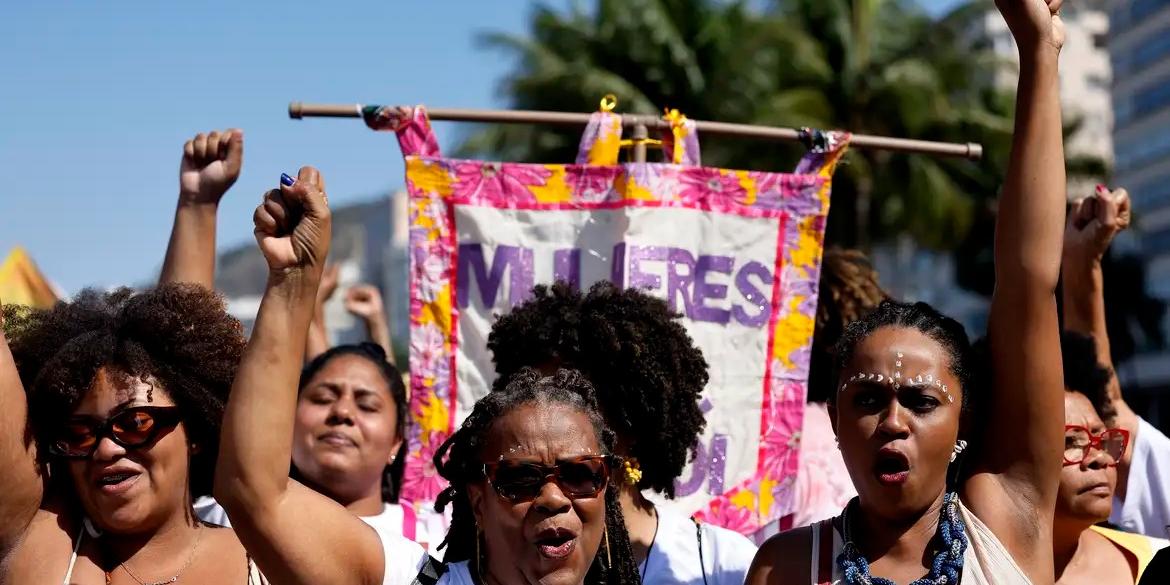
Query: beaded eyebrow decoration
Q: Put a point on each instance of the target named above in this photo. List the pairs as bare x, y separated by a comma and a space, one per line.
896, 381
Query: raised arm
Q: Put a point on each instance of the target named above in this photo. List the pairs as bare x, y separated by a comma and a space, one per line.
318, 342
21, 484
211, 164
1092, 225
296, 535
365, 301
1017, 464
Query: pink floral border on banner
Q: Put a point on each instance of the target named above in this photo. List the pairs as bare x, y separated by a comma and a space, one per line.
799, 201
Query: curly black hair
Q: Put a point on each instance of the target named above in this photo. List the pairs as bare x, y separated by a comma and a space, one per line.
944, 330
848, 289
372, 352
178, 334
648, 373
460, 461
1084, 373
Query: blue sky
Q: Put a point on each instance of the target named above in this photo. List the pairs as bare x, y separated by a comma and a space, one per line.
97, 98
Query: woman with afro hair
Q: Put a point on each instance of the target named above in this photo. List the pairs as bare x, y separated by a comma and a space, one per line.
110, 409
111, 406
649, 378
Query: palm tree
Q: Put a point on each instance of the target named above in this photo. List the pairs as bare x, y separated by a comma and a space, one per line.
870, 66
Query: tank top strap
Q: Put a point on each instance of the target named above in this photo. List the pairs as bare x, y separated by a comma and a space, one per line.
823, 553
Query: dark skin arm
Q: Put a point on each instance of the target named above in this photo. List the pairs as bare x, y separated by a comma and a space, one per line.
268, 510
211, 164
21, 484
1093, 223
1016, 474
784, 559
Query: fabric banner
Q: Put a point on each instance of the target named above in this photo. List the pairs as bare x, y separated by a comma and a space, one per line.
737, 253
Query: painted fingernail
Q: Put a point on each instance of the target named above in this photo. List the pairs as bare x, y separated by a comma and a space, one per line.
1102, 189
286, 180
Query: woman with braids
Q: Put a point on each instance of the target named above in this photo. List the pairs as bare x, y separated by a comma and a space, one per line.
649, 378
348, 441
529, 469
908, 381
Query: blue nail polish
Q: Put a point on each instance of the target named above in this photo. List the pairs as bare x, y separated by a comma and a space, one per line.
286, 180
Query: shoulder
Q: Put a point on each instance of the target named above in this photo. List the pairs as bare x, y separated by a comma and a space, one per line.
43, 549
730, 546
784, 559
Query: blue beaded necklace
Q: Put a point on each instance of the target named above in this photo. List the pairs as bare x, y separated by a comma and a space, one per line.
947, 567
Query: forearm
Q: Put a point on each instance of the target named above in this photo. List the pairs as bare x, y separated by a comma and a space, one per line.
255, 448
191, 251
379, 333
1029, 228
318, 340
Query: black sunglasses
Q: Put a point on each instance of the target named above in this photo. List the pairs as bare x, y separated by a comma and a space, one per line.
130, 428
579, 477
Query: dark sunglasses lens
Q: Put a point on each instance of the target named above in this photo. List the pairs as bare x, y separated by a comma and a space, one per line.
582, 478
518, 481
133, 427
77, 439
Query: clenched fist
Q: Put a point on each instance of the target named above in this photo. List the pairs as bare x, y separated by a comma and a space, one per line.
293, 225
211, 164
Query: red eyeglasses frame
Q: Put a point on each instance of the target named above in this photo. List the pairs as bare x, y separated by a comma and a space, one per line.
1095, 443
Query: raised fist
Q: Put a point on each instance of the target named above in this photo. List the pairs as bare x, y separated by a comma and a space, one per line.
1034, 23
293, 224
1094, 221
211, 164
364, 301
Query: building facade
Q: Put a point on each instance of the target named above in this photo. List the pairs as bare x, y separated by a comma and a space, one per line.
1140, 48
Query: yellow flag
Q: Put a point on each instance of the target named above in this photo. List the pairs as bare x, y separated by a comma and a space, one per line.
22, 283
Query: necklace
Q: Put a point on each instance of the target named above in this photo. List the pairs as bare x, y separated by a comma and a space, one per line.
947, 567
175, 578
650, 549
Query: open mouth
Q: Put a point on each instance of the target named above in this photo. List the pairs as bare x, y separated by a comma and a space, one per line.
892, 467
116, 481
556, 543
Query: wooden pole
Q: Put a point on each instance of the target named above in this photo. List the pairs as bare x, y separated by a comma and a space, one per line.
970, 150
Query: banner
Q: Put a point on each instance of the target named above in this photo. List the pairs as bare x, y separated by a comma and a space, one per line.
737, 253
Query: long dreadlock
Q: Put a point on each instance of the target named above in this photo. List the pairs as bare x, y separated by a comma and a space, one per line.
463, 466
849, 289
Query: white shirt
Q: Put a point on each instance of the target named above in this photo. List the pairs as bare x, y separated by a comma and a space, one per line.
390, 523
676, 559
1146, 507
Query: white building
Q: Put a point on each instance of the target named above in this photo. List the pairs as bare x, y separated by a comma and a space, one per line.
1085, 70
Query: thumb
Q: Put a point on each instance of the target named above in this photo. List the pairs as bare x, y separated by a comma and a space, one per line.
308, 193
1076, 214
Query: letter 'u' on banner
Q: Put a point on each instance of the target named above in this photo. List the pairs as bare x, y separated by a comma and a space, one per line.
737, 253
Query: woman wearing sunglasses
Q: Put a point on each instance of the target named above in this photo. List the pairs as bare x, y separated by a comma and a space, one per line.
649, 377
125, 392
1083, 551
529, 471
